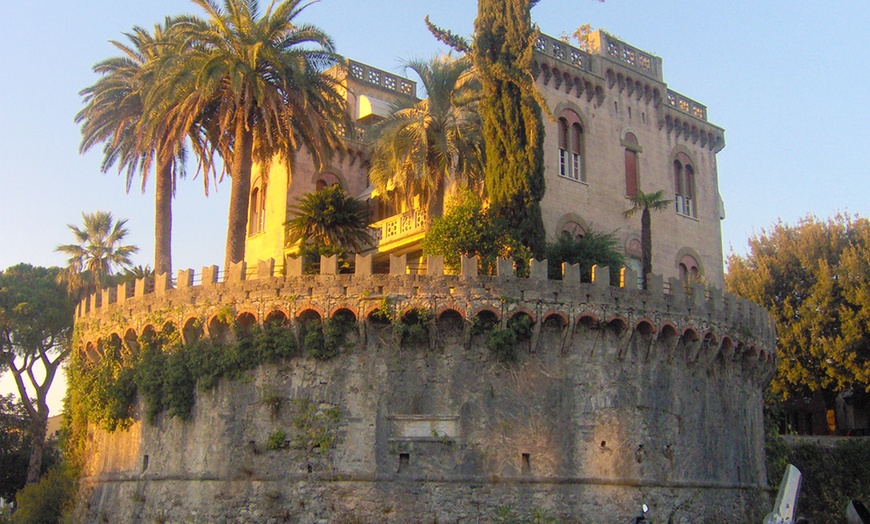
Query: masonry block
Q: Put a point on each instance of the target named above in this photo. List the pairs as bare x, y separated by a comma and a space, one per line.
538, 269
435, 265
468, 267
237, 272
185, 279
329, 265
209, 275
293, 266
504, 267
398, 265
265, 268
362, 265
162, 282
570, 273
600, 276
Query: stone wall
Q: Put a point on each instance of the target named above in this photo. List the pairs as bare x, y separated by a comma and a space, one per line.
619, 397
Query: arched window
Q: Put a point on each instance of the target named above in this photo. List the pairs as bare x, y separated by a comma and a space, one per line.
689, 269
574, 229
257, 209
326, 180
571, 146
684, 186
632, 148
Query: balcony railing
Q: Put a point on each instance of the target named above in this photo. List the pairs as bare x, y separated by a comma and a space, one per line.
397, 227
687, 105
563, 51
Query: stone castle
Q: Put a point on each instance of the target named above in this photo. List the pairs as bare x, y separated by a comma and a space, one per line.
618, 128
618, 396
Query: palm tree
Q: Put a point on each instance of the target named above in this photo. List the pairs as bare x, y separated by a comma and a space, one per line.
425, 144
114, 114
645, 203
97, 253
329, 221
256, 85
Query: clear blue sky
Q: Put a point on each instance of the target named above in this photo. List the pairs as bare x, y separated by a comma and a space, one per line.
785, 78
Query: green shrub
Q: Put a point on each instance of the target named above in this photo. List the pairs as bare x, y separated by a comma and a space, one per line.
413, 328
591, 249
44, 502
467, 228
504, 343
276, 440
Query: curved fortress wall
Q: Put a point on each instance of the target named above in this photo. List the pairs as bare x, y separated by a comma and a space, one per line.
618, 397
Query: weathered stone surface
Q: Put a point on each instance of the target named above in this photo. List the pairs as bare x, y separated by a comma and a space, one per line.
616, 400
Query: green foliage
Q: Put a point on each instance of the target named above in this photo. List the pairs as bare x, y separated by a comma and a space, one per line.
413, 328
504, 343
273, 401
831, 477
276, 440
424, 144
328, 222
646, 203
97, 253
510, 108
165, 373
324, 339
316, 427
814, 279
36, 316
255, 81
45, 501
593, 248
14, 446
468, 228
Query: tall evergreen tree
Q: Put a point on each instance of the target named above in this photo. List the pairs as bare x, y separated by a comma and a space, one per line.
510, 107
512, 128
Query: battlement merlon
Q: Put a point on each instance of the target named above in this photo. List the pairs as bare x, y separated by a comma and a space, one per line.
705, 312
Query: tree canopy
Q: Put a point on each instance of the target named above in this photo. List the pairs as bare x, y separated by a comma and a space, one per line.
36, 316
424, 145
510, 109
256, 83
468, 228
814, 278
97, 253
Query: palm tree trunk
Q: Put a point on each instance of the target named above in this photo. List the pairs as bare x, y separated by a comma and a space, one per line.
646, 243
163, 220
239, 194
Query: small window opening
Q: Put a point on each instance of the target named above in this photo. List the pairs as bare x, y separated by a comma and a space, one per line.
144, 463
527, 465
404, 461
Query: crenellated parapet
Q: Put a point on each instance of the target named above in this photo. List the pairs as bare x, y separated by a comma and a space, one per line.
703, 325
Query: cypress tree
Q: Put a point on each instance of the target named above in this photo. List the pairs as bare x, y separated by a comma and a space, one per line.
502, 52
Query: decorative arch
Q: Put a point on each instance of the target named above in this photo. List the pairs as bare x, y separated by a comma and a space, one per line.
246, 321
277, 317
219, 330
688, 264
685, 189
191, 330
571, 143
328, 178
631, 152
257, 206
573, 224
